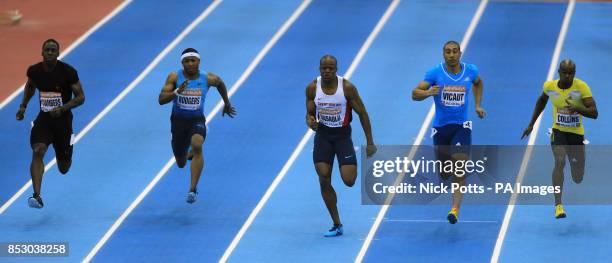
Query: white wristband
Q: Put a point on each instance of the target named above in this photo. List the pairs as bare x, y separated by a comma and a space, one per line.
176, 92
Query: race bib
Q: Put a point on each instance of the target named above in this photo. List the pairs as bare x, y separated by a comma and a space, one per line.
50, 101
453, 96
567, 118
190, 99
330, 115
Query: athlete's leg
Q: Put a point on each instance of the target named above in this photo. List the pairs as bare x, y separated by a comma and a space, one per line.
180, 143
576, 156
40, 138
442, 140
323, 158
62, 143
348, 172
557, 174
459, 178
461, 142
460, 149
347, 160
64, 158
559, 143
577, 160
197, 163
37, 167
324, 171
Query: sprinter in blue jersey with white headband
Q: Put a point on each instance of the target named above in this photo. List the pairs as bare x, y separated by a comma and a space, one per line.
186, 89
450, 83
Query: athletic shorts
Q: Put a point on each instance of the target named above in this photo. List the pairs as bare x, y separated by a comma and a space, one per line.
566, 138
574, 147
330, 142
451, 139
453, 134
56, 131
182, 130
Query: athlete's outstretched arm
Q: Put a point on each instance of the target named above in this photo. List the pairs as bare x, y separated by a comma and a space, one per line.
311, 120
28, 92
422, 91
539, 107
167, 93
216, 81
477, 90
350, 91
589, 109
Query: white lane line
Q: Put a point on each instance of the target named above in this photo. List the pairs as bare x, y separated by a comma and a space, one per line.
536, 127
296, 152
209, 117
121, 95
381, 214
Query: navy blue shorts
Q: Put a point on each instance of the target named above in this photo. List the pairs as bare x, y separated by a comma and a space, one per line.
451, 139
458, 138
330, 142
182, 131
453, 134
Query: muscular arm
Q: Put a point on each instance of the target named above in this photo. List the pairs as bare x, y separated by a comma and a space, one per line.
477, 90
422, 91
589, 110
311, 120
79, 97
478, 86
216, 81
355, 101
28, 92
167, 95
539, 107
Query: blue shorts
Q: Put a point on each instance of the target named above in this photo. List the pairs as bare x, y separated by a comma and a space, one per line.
182, 131
331, 142
452, 139
453, 134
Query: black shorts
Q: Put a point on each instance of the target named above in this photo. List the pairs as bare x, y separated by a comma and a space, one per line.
573, 145
566, 138
56, 131
330, 142
182, 131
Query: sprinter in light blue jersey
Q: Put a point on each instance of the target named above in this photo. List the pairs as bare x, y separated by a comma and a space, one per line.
188, 122
450, 84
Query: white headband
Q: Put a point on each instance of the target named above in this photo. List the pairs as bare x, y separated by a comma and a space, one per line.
190, 54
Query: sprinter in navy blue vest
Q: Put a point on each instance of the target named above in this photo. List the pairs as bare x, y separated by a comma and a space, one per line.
186, 89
